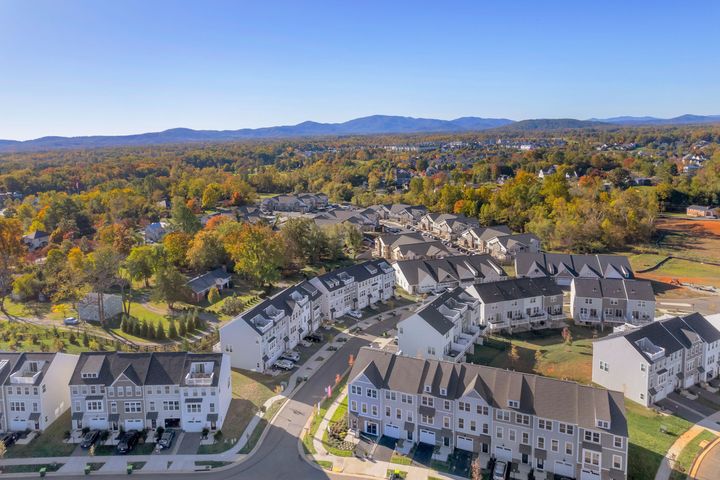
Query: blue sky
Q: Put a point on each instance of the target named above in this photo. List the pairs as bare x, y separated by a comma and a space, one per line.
90, 67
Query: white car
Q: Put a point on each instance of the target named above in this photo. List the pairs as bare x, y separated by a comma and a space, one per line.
354, 314
291, 355
284, 365
71, 321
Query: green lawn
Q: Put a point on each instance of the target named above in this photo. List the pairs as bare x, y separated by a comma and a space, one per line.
315, 424
260, 428
686, 271
542, 352
400, 459
340, 415
688, 455
648, 441
325, 464
47, 444
250, 391
49, 467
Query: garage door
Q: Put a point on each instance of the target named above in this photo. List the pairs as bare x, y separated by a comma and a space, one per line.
134, 424
427, 436
589, 475
97, 423
17, 425
465, 443
564, 469
502, 453
392, 431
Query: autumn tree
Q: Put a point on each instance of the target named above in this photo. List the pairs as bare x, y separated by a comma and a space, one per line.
11, 252
100, 270
184, 218
256, 250
206, 250
169, 286
142, 262
175, 247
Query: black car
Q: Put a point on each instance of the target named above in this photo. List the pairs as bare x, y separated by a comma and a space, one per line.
314, 337
9, 438
128, 442
166, 439
89, 439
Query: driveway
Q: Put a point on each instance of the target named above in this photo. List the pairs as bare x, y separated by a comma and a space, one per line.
189, 444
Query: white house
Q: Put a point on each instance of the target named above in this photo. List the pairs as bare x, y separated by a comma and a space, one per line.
445, 328
519, 304
600, 301
649, 362
34, 389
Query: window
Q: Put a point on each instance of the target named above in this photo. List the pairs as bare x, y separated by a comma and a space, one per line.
461, 422
568, 448
120, 392
128, 391
111, 391
603, 424
591, 458
428, 389
138, 391
17, 406
545, 424
446, 405
406, 399
617, 442
371, 393
473, 425
464, 407
485, 429
617, 462
374, 410
503, 415
513, 404
499, 432
390, 395
566, 429
94, 406
363, 408
355, 390
446, 422
525, 438
427, 419
541, 442
482, 409
591, 436
133, 407
443, 392
353, 406
194, 407
171, 405
554, 445
642, 367
427, 401
604, 366
522, 419
388, 411
511, 435
398, 414
113, 407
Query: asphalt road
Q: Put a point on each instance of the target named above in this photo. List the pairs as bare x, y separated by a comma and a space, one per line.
278, 457
710, 465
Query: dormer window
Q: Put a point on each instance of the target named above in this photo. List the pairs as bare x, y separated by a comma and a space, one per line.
88, 375
602, 424
428, 389
513, 404
443, 392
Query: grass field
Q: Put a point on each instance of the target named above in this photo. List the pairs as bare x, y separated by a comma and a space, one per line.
648, 441
307, 440
686, 458
685, 271
542, 352
47, 444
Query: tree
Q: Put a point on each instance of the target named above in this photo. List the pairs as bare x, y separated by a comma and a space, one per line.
169, 286
142, 262
257, 252
100, 270
175, 246
160, 332
3, 449
182, 327
211, 195
184, 218
305, 241
172, 330
11, 252
514, 354
476, 469
213, 295
353, 239
206, 251
567, 336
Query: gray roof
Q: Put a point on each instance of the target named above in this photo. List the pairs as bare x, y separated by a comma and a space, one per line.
671, 334
458, 267
614, 288
156, 368
359, 272
514, 289
423, 249
486, 233
206, 281
516, 238
550, 398
12, 362
432, 312
396, 239
554, 264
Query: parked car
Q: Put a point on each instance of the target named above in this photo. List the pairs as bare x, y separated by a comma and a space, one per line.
71, 321
500, 471
354, 313
314, 337
89, 439
9, 438
291, 355
395, 340
284, 365
128, 442
166, 440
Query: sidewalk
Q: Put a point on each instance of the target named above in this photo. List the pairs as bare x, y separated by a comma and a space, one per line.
668, 462
186, 462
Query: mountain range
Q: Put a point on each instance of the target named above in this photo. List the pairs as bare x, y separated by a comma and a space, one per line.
372, 125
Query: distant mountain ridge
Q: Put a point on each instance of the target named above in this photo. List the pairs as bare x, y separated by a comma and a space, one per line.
372, 125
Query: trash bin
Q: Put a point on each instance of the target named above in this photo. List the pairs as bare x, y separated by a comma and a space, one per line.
129, 469
43, 471
87, 469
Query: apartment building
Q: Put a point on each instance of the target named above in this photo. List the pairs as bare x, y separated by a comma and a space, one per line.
649, 362
116, 390
418, 277
504, 248
519, 304
476, 238
553, 426
355, 287
601, 301
34, 389
564, 267
256, 338
446, 328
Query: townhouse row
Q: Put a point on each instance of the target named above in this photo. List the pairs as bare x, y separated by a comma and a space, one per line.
553, 426
115, 390
647, 363
257, 338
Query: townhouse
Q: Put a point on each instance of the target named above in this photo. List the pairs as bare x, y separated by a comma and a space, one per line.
519, 304
355, 287
303, 202
400, 212
505, 248
117, 390
34, 389
256, 338
420, 251
446, 328
343, 216
600, 301
446, 225
418, 277
649, 362
386, 243
476, 238
564, 267
553, 426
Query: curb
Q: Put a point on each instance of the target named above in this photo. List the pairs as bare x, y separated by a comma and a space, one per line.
698, 461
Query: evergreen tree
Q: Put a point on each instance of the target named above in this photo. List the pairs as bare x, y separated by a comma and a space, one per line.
172, 330
151, 331
85, 340
182, 328
144, 329
160, 332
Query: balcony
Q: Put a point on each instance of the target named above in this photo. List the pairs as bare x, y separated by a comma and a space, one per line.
471, 330
24, 377
199, 378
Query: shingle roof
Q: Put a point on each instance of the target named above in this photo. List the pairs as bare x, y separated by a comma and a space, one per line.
11, 362
614, 288
550, 398
206, 281
514, 289
432, 312
553, 264
459, 266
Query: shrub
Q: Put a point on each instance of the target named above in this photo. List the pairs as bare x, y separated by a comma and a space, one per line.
232, 306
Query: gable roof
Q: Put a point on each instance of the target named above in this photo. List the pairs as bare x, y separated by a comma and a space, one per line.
465, 267
552, 264
614, 288
514, 289
206, 281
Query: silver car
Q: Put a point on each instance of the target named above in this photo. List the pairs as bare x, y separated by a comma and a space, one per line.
291, 355
284, 365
